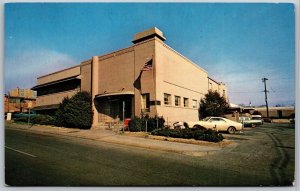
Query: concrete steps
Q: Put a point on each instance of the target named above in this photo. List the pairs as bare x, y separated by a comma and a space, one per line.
113, 126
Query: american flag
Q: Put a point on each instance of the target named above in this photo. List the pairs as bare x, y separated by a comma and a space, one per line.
147, 66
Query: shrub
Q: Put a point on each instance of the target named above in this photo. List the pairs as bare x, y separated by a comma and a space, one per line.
139, 124
152, 123
37, 119
75, 112
42, 120
135, 124
21, 119
198, 134
60, 113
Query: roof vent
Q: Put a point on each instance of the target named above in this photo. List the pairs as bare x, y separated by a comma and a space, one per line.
147, 34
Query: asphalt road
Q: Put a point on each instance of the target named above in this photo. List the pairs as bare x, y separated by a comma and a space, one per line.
262, 156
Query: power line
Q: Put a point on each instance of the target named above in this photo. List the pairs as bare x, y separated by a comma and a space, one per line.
255, 79
276, 92
272, 89
245, 92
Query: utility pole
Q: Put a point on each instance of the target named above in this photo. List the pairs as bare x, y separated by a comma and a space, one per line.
266, 97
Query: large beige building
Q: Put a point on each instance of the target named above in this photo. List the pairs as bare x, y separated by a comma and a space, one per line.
148, 77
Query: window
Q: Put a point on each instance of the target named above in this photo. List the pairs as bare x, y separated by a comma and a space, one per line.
167, 99
58, 87
210, 86
217, 120
177, 100
145, 102
12, 100
214, 119
194, 103
185, 102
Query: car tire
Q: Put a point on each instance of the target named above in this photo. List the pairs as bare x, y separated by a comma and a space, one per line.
231, 130
196, 126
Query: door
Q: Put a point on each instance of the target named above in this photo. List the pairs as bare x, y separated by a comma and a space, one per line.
114, 110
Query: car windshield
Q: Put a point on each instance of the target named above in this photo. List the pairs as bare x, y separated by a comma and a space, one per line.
245, 118
206, 119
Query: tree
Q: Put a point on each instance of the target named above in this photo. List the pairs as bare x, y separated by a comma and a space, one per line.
213, 104
75, 111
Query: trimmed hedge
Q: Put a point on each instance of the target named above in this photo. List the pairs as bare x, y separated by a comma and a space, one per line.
139, 124
198, 134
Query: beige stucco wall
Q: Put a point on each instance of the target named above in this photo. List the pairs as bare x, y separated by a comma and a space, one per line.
116, 72
86, 76
178, 76
70, 72
219, 87
56, 98
144, 52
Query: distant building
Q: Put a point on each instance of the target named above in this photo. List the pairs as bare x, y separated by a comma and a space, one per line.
19, 100
275, 112
22, 93
149, 77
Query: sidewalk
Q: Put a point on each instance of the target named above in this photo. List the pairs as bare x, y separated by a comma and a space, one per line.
108, 136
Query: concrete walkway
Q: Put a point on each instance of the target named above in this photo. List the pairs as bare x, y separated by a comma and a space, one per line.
123, 139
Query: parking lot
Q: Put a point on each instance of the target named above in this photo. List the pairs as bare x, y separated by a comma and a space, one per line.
266, 152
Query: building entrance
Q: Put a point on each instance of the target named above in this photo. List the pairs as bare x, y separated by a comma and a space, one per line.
114, 108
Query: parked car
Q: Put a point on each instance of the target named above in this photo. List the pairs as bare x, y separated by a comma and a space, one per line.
257, 119
267, 120
252, 121
217, 123
246, 121
18, 115
180, 125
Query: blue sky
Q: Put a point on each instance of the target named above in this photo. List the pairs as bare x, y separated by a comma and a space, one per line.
237, 44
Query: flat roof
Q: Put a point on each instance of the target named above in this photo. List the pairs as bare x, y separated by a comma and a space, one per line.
59, 71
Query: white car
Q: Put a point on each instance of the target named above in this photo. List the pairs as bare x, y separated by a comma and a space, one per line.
257, 119
252, 121
217, 123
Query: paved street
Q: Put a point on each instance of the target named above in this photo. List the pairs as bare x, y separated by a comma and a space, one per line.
261, 156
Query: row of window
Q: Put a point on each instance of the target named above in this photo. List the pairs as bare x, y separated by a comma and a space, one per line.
168, 101
177, 101
60, 87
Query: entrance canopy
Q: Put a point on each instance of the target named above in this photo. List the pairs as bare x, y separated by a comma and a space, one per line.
115, 94
114, 106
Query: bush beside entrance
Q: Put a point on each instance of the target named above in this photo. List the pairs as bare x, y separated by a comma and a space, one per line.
139, 124
75, 112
